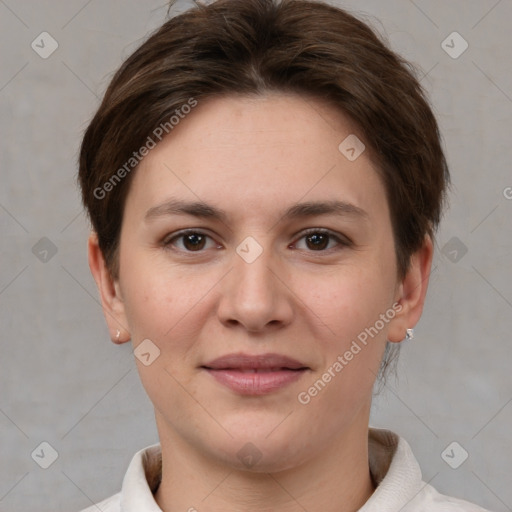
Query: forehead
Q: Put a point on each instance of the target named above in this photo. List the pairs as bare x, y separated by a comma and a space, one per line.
254, 151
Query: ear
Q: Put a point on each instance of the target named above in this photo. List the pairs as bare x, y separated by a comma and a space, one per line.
411, 292
110, 293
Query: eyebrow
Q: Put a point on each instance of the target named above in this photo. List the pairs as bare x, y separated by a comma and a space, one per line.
301, 210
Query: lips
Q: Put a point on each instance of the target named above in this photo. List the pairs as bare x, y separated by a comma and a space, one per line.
268, 362
255, 374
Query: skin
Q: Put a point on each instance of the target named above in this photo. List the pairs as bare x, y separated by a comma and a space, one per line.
254, 158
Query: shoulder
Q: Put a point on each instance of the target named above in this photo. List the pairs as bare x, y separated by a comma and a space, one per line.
430, 500
112, 504
140, 480
400, 485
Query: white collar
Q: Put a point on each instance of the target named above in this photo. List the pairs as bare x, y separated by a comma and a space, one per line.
395, 470
136, 492
392, 465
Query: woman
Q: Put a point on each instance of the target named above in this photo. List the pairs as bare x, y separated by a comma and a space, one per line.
264, 180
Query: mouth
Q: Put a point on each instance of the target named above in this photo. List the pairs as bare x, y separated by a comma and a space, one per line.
255, 370
255, 375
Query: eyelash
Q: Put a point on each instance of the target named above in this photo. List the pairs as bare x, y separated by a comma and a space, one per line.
341, 241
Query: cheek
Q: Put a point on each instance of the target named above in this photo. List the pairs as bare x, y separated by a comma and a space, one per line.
154, 297
347, 300
349, 303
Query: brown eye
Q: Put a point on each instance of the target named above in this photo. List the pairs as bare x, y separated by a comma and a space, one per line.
189, 241
194, 241
321, 240
317, 241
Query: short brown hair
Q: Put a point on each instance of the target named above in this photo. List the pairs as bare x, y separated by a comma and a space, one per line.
252, 47
255, 46
258, 46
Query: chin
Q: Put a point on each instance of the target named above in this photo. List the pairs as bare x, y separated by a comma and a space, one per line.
253, 449
258, 458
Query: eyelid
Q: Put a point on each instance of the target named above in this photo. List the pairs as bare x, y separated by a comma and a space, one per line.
169, 238
341, 239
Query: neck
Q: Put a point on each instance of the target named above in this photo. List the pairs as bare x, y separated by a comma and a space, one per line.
336, 480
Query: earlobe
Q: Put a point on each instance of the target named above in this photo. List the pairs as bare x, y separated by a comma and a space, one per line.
411, 292
110, 293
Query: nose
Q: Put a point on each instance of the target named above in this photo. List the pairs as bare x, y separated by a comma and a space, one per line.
255, 295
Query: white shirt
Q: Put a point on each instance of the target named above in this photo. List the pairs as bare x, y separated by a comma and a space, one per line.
392, 466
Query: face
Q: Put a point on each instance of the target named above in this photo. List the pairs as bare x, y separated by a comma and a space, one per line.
250, 237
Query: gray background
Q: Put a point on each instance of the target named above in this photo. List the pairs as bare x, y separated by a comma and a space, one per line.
62, 381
